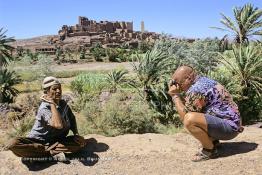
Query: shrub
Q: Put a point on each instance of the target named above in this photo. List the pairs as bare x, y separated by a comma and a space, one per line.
245, 64
87, 87
162, 103
116, 78
114, 54
98, 52
20, 128
120, 115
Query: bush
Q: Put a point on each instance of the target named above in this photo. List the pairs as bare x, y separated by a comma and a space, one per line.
20, 128
245, 64
88, 83
87, 87
98, 52
116, 78
114, 54
162, 103
122, 114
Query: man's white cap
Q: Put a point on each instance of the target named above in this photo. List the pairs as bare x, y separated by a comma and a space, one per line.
50, 81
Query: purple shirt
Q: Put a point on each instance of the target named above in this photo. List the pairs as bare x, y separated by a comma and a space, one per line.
209, 97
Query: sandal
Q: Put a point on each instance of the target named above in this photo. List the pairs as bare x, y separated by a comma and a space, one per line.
206, 154
216, 144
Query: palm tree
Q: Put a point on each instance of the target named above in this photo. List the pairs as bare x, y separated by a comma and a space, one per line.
116, 78
247, 23
5, 49
152, 66
7, 81
245, 64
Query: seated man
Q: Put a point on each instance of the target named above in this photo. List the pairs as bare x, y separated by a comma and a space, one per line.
208, 111
48, 136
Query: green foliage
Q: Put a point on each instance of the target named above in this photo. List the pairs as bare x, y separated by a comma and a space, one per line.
152, 70
247, 22
121, 114
20, 127
88, 83
28, 72
32, 57
245, 64
152, 67
98, 52
5, 48
144, 46
201, 54
43, 67
116, 54
116, 78
161, 101
58, 53
7, 81
82, 53
87, 87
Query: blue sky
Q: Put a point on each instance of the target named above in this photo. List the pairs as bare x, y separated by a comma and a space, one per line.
184, 18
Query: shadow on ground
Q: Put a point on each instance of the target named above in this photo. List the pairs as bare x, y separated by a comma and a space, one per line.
86, 156
233, 148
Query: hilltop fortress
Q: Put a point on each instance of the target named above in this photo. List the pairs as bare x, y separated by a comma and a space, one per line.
87, 33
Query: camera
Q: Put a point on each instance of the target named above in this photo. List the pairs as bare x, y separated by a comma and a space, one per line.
173, 82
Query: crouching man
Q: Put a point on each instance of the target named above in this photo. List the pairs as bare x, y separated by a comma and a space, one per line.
208, 111
48, 136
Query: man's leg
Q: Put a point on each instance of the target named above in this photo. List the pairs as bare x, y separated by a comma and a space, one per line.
27, 147
196, 124
66, 145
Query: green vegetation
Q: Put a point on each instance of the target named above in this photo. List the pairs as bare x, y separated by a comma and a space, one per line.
247, 23
116, 78
245, 65
7, 78
120, 102
5, 49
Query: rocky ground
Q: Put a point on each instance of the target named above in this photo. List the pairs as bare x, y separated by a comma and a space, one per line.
149, 154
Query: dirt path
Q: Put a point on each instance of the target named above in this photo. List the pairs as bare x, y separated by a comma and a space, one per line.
151, 154
93, 66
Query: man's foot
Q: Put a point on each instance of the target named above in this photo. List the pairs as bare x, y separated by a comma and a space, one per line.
206, 154
60, 157
216, 143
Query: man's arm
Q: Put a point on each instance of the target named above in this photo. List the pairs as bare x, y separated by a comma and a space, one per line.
56, 119
177, 99
72, 122
180, 107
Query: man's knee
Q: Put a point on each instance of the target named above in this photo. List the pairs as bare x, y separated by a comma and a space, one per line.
13, 142
189, 120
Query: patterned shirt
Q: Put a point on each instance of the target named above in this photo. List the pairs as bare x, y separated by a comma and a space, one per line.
209, 97
42, 130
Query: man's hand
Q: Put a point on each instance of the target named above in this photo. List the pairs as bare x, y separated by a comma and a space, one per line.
174, 90
47, 99
80, 140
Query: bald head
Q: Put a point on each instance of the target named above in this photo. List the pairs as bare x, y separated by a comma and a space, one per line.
184, 76
182, 70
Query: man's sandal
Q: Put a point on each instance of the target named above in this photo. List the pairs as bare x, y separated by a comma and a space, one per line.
205, 154
216, 144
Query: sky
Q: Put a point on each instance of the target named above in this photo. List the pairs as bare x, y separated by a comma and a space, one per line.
180, 18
